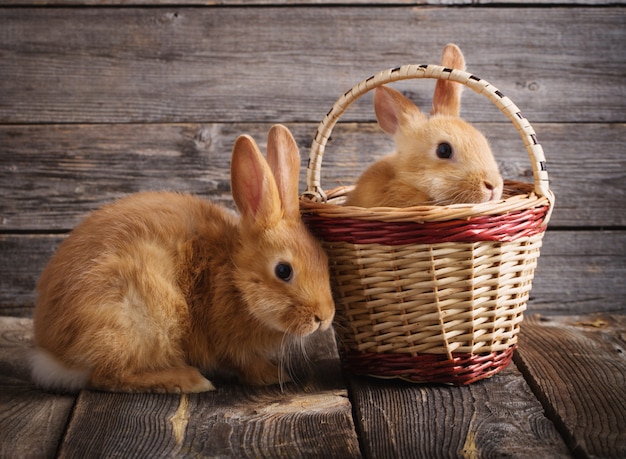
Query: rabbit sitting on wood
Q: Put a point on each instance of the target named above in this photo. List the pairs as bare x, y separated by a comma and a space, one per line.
154, 289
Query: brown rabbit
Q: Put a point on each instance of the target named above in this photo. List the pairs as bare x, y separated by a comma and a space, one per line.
152, 289
439, 160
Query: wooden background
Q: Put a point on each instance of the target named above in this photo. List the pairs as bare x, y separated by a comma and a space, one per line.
99, 102
99, 99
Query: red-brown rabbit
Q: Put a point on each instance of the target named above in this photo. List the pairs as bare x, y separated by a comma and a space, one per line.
154, 289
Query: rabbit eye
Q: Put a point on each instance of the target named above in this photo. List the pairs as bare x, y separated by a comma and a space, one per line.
284, 271
444, 150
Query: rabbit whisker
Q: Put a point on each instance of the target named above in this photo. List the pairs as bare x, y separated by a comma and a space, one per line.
284, 357
293, 353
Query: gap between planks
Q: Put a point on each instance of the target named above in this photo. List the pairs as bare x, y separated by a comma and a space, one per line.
576, 367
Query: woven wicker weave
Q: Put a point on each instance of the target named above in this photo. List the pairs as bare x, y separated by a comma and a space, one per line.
430, 293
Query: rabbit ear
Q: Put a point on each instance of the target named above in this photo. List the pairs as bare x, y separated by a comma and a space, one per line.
393, 109
253, 186
284, 161
447, 97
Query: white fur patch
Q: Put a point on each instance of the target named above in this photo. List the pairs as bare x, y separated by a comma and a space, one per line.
51, 374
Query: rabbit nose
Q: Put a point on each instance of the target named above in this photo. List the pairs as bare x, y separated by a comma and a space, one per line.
323, 324
493, 191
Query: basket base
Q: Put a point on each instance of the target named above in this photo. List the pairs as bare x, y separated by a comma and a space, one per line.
461, 370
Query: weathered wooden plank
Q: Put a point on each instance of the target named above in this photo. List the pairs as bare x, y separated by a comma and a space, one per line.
309, 419
31, 421
499, 417
303, 2
576, 366
129, 425
286, 64
76, 169
54, 174
578, 272
22, 259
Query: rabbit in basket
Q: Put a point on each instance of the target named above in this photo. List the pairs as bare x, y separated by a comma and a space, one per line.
153, 289
439, 160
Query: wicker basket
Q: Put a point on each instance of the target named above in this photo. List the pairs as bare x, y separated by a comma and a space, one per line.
430, 293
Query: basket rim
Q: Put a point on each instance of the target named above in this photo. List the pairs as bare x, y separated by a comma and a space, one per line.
314, 191
522, 197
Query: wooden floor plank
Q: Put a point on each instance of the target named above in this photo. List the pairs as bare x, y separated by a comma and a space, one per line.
63, 65
239, 422
577, 366
31, 421
495, 418
309, 419
122, 425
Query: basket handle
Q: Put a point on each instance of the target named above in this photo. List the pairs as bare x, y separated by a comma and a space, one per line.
533, 147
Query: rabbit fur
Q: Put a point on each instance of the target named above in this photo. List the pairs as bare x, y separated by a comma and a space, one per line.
152, 291
439, 160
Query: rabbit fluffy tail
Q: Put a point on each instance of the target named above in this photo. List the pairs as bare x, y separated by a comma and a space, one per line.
49, 373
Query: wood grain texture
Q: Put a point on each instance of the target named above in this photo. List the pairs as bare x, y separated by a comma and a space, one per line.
493, 418
131, 425
54, 174
31, 421
577, 367
274, 64
303, 2
22, 259
580, 272
311, 418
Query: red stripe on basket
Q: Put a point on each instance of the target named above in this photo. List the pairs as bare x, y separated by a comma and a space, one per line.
498, 228
461, 370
